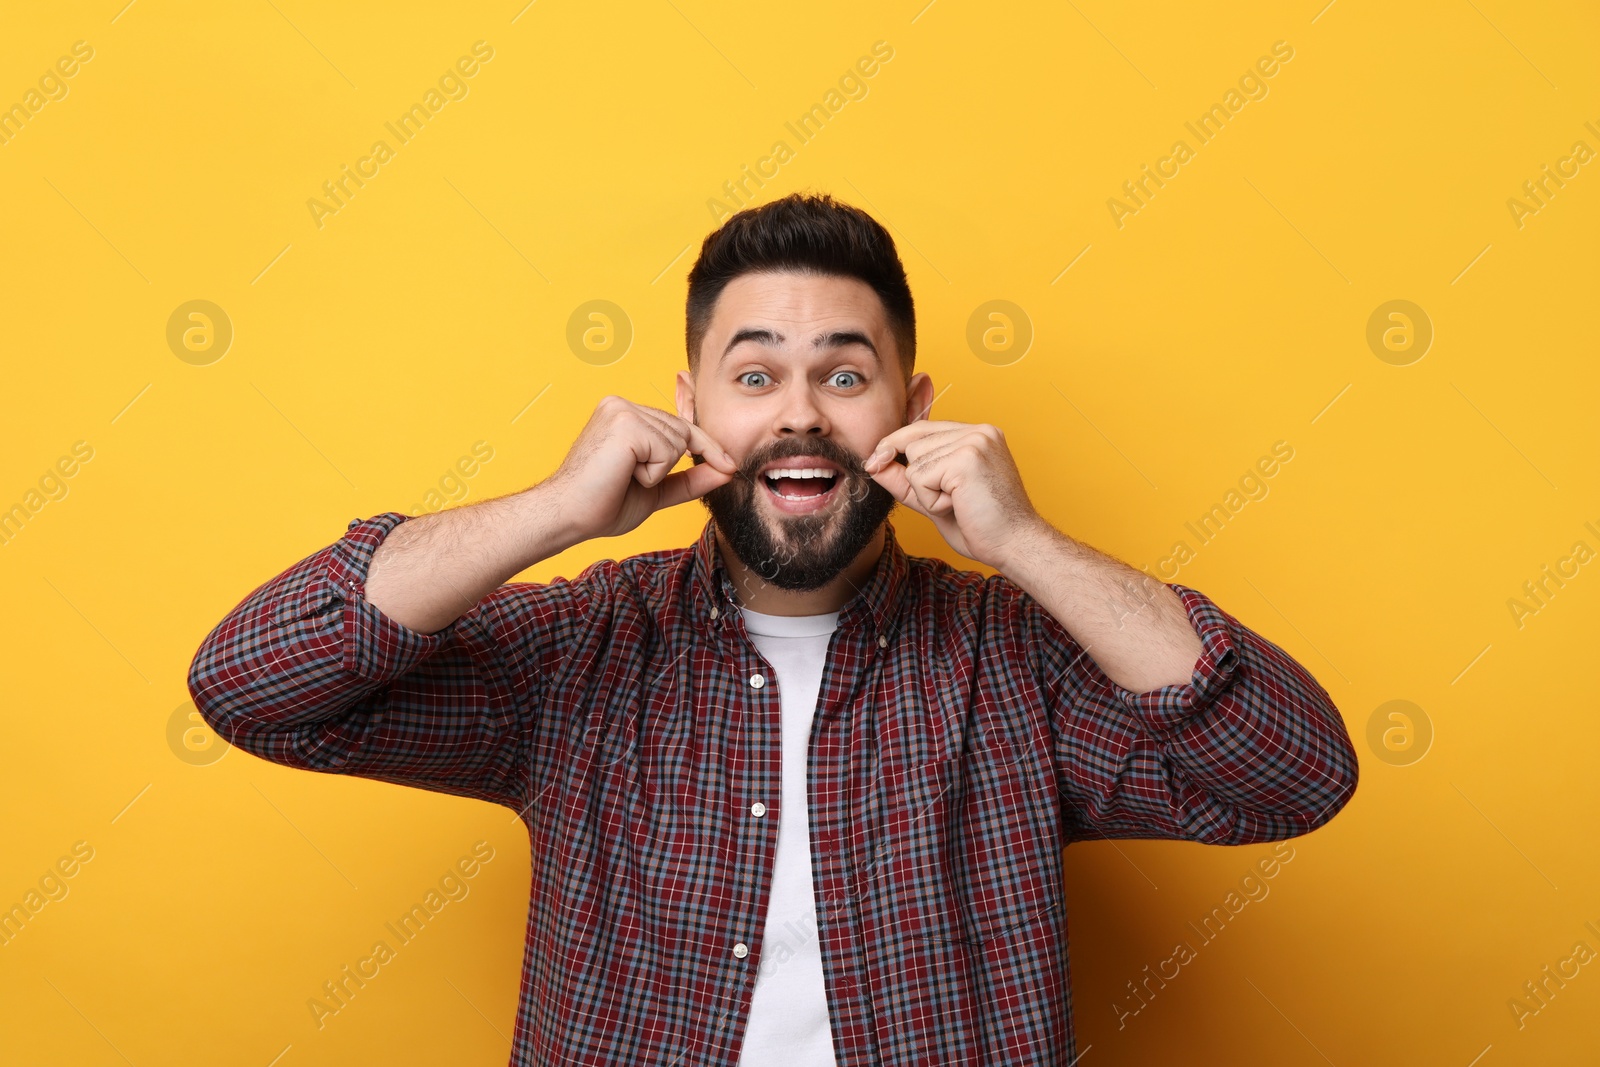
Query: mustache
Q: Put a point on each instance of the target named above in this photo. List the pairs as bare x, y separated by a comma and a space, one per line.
852, 471
849, 464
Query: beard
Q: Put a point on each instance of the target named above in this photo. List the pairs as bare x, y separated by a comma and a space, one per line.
799, 552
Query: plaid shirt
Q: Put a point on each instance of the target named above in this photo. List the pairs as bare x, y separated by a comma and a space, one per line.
962, 738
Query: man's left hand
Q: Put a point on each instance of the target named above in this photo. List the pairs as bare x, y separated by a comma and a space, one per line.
960, 475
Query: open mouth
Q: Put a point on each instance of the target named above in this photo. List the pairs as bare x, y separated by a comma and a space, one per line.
801, 489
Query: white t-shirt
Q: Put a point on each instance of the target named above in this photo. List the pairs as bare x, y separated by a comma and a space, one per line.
788, 1024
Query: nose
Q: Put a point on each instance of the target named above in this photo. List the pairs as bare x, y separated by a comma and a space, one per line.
799, 412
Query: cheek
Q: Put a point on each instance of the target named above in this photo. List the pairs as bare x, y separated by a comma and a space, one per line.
739, 437
864, 441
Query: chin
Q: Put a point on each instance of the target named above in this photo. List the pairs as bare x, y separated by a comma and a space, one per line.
797, 552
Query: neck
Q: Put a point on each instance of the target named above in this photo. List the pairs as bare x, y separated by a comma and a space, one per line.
758, 594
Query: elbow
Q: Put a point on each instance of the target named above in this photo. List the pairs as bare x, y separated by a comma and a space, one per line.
1328, 787
233, 709
1344, 774
210, 692
1325, 780
1305, 801
230, 687
1340, 774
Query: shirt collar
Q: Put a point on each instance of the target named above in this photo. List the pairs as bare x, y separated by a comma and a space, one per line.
874, 604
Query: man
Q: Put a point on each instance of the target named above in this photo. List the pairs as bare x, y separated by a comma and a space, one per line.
794, 796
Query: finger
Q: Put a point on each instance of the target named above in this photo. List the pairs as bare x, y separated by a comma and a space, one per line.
656, 452
695, 440
690, 484
900, 440
702, 444
666, 423
933, 452
938, 450
927, 494
895, 479
933, 475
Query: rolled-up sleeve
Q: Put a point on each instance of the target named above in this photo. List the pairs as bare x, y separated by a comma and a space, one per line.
308, 673
1250, 749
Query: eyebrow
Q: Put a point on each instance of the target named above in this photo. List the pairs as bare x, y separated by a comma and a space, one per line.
832, 339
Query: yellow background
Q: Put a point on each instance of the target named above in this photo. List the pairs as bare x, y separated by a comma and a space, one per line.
1229, 313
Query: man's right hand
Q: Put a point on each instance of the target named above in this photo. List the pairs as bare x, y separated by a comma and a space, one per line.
616, 474
430, 570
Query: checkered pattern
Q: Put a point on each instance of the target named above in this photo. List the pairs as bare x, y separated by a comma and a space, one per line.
962, 737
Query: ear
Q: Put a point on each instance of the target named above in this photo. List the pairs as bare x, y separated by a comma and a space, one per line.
919, 397
685, 395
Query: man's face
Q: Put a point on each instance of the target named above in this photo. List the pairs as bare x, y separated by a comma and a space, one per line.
800, 373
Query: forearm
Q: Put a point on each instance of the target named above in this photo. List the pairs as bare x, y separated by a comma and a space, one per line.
1133, 626
431, 570
307, 673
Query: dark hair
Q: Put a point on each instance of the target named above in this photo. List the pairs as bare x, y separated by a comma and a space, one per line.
811, 234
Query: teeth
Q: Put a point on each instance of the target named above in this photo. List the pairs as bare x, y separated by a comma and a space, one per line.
800, 472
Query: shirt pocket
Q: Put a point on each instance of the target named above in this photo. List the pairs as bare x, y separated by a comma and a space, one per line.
964, 855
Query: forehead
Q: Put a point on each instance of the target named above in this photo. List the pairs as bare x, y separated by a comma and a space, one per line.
797, 306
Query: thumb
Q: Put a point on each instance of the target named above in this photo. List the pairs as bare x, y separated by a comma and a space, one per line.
690, 484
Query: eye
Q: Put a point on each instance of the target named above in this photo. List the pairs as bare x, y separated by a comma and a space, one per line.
846, 374
757, 373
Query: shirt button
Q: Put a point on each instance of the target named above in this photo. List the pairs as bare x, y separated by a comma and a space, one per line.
758, 809
883, 642
741, 950
756, 681
713, 611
